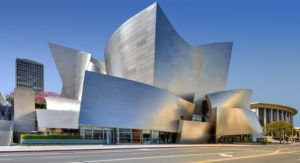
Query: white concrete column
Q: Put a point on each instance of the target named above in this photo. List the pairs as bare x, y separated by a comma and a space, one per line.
271, 115
277, 115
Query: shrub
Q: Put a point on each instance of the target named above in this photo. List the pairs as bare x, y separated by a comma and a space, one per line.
40, 105
30, 136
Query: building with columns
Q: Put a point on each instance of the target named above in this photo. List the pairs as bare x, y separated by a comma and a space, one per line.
267, 112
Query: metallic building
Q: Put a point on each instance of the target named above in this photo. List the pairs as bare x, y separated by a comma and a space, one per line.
149, 88
6, 132
30, 74
6, 122
230, 112
2, 100
63, 104
115, 102
57, 119
236, 121
146, 48
194, 132
71, 65
267, 112
97, 66
213, 75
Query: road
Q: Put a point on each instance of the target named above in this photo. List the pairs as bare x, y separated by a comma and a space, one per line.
245, 154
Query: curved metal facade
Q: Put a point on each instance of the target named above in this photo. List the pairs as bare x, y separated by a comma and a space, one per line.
71, 65
2, 100
214, 73
147, 49
231, 114
6, 132
192, 132
155, 81
114, 102
130, 51
62, 104
97, 66
236, 121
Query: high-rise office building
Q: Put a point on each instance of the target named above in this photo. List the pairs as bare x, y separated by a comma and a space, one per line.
30, 74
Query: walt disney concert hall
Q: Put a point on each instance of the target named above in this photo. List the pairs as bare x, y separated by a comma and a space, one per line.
153, 87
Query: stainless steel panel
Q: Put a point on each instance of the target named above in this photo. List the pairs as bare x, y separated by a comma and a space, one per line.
236, 121
130, 52
71, 65
6, 132
231, 114
194, 132
97, 66
57, 119
24, 110
147, 49
2, 100
109, 101
214, 73
177, 65
63, 104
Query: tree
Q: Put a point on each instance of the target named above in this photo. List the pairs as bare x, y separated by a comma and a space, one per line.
280, 129
10, 98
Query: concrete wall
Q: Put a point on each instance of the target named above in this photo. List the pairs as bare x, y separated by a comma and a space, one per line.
24, 110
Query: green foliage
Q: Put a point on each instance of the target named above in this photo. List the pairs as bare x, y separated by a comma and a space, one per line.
10, 98
279, 127
40, 106
15, 137
31, 136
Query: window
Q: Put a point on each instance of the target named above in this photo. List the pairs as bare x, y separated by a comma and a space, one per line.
98, 134
280, 115
274, 115
261, 116
88, 134
268, 115
125, 135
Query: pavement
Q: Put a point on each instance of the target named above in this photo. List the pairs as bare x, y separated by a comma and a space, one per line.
161, 153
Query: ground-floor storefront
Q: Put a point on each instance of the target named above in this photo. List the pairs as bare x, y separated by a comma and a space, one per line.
121, 135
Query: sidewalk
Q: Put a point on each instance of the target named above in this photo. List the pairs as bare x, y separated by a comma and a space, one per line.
19, 148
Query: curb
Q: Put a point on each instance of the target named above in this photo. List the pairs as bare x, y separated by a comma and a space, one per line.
121, 148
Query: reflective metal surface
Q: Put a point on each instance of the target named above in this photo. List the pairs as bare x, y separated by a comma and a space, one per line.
57, 119
71, 65
147, 49
24, 110
231, 114
130, 51
2, 100
97, 66
64, 104
236, 121
109, 101
193, 132
213, 75
6, 131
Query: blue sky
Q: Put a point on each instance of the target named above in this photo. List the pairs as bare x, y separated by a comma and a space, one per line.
266, 36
